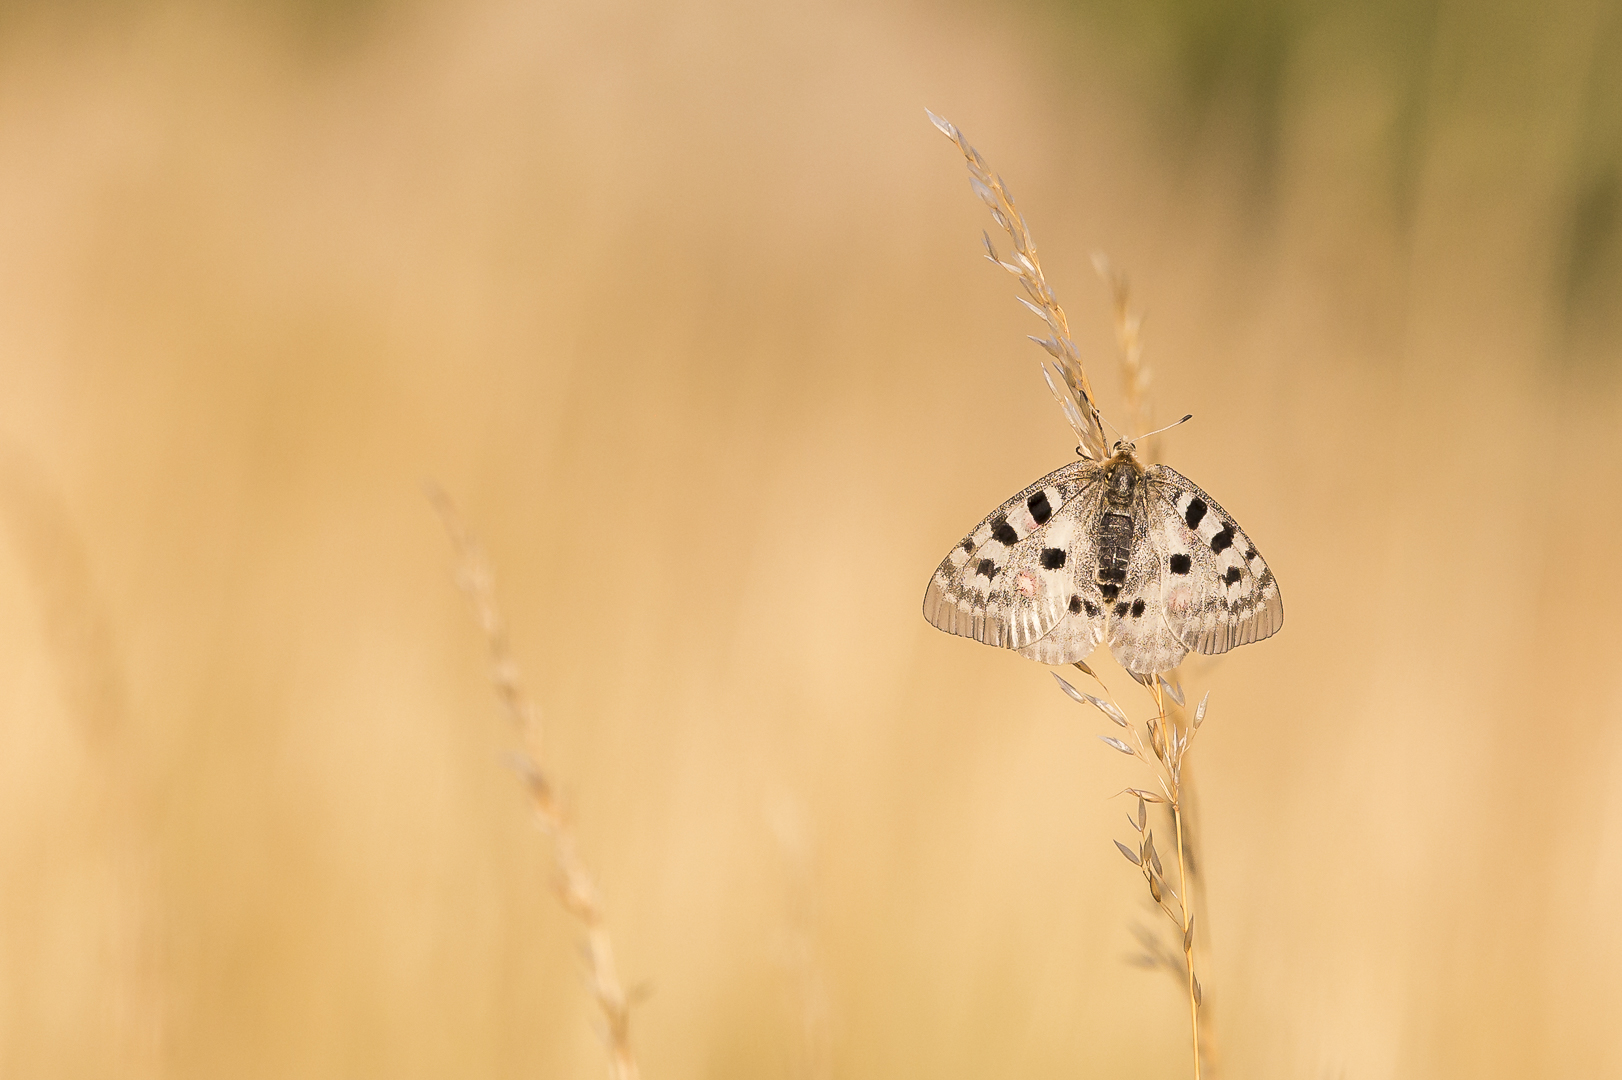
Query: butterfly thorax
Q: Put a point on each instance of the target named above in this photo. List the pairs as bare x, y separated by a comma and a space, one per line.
1114, 529
1121, 475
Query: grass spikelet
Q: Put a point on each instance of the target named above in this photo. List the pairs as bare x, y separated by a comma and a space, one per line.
576, 888
1162, 746
1076, 400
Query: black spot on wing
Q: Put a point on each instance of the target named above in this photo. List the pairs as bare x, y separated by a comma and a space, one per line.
987, 568
1137, 607
1075, 604
1223, 540
967, 545
1120, 609
1232, 576
1053, 558
1181, 564
1038, 506
1004, 532
1195, 512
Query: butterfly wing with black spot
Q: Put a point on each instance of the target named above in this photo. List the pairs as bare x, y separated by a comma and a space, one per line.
1010, 582
1081, 627
1216, 590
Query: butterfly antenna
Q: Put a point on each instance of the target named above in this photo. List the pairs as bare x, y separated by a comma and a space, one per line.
1157, 431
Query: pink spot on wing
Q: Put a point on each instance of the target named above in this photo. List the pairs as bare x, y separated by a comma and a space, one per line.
1026, 585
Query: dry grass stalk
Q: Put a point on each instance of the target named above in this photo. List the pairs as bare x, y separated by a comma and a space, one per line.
74, 618
1163, 748
1077, 400
577, 890
1135, 377
1167, 740
802, 956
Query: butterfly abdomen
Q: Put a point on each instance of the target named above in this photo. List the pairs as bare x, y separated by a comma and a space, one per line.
1114, 531
1114, 540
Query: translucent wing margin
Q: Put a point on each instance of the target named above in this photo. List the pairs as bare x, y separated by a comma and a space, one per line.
1011, 581
1216, 591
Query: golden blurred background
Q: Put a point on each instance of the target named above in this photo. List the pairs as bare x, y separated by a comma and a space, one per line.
683, 304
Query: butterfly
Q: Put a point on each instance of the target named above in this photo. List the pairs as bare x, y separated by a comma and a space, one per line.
1113, 551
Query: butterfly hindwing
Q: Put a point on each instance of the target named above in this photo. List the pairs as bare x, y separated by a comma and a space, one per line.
1216, 590
1139, 637
1009, 582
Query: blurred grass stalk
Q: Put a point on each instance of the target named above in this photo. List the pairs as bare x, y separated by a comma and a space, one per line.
577, 889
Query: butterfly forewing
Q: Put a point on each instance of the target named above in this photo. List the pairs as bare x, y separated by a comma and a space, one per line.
1217, 592
1009, 583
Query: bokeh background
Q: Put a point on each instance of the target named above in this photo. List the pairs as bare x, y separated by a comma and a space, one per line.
683, 303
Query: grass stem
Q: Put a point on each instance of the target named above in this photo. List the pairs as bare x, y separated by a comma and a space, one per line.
1186, 901
577, 889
